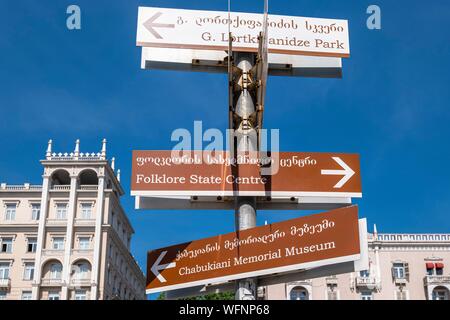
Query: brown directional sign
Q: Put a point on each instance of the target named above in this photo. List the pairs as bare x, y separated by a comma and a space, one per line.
159, 173
301, 243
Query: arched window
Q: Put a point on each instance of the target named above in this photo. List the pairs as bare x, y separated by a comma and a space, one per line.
440, 293
55, 271
60, 177
299, 293
88, 178
81, 270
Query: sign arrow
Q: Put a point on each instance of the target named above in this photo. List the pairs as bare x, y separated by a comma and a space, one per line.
156, 267
150, 24
347, 172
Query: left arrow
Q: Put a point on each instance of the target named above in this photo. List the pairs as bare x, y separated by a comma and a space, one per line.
150, 25
156, 267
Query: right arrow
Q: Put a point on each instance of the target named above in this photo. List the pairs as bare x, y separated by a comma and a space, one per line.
156, 267
347, 172
150, 24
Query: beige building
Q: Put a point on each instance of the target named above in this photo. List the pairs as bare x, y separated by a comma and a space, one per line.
402, 267
68, 238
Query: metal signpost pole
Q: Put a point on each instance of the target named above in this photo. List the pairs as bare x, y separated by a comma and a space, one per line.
175, 39
245, 207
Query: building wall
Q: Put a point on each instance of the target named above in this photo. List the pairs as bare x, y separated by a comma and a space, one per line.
414, 250
99, 230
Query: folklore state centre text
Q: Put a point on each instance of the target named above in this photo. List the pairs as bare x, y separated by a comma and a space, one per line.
198, 179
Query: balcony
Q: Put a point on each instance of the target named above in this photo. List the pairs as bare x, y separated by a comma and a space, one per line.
88, 188
393, 237
436, 280
62, 187
331, 280
47, 282
5, 284
56, 222
400, 280
366, 282
84, 222
80, 282
24, 187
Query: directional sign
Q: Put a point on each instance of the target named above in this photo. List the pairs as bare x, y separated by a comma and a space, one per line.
302, 243
208, 30
300, 174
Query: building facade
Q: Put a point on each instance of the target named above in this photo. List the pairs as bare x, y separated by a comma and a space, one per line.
68, 238
401, 267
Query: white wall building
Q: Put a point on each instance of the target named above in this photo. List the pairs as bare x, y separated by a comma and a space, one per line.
402, 267
68, 238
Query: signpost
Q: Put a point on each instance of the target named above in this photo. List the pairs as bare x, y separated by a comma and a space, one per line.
208, 30
249, 47
288, 277
157, 173
301, 243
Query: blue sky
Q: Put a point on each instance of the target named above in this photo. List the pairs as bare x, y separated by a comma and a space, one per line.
391, 106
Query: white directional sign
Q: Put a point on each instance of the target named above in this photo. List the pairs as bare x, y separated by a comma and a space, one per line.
209, 30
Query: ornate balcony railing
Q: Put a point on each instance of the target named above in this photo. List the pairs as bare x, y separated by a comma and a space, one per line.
88, 188
56, 222
331, 280
76, 156
22, 187
408, 237
51, 282
365, 281
74, 282
429, 280
60, 187
85, 222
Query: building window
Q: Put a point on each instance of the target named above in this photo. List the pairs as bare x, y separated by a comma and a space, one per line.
86, 211
364, 274
332, 292
28, 273
84, 243
58, 243
439, 269
61, 211
400, 270
10, 213
26, 295
53, 295
430, 268
32, 244
109, 277
55, 271
366, 295
440, 293
401, 295
299, 293
35, 211
81, 271
2, 295
6, 245
80, 295
4, 271
111, 253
